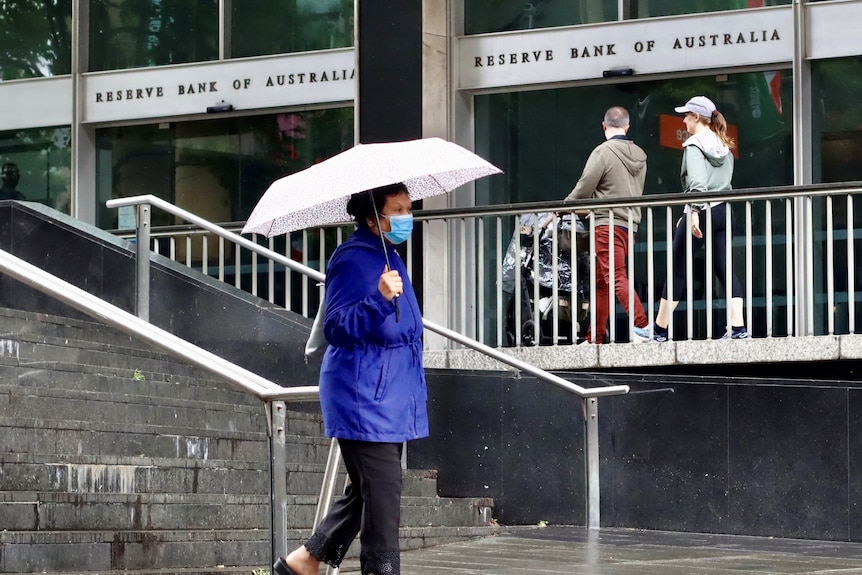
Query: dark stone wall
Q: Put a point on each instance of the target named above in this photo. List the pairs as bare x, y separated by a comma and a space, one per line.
756, 456
249, 331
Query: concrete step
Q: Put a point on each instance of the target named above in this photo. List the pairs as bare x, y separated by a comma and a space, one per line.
114, 439
101, 474
131, 475
35, 350
118, 378
62, 438
14, 323
60, 511
204, 552
143, 551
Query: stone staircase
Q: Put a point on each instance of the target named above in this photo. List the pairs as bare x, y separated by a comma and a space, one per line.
114, 457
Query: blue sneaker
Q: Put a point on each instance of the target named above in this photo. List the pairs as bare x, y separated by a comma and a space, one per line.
741, 333
641, 334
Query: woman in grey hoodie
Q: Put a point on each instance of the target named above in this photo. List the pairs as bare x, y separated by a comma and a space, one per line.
707, 166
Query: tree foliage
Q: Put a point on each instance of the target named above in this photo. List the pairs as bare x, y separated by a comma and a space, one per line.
35, 38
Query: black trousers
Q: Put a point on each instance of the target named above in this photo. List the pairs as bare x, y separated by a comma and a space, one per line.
371, 503
718, 226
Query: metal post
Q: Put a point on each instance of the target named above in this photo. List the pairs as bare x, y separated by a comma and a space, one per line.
591, 452
330, 477
278, 478
327, 490
142, 286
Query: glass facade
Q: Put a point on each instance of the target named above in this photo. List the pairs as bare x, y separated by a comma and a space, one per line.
217, 169
43, 158
142, 33
837, 132
35, 39
278, 27
135, 34
652, 8
485, 16
541, 140
836, 150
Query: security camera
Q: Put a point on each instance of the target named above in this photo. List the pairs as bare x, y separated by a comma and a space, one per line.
219, 108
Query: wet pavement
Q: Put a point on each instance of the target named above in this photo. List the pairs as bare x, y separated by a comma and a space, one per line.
628, 552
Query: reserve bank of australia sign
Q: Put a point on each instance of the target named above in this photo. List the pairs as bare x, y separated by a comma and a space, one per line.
651, 46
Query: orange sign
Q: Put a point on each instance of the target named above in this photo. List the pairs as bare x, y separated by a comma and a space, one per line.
672, 133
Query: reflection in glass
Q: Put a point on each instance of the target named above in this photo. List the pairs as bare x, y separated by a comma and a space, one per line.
652, 8
484, 16
43, 157
217, 169
837, 136
277, 27
35, 38
541, 140
142, 33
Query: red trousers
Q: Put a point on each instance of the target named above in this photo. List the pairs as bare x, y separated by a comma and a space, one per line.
621, 281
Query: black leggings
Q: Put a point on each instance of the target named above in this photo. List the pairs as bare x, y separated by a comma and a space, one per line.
372, 502
718, 227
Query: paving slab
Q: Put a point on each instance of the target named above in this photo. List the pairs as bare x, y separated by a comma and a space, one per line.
575, 550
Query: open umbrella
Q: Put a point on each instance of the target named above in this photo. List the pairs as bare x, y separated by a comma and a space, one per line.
318, 195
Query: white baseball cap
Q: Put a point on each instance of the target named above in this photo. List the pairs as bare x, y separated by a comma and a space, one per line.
700, 105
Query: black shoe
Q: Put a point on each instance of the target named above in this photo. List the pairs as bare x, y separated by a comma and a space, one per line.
280, 568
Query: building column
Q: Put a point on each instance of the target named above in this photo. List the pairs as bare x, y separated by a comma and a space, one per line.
389, 80
435, 123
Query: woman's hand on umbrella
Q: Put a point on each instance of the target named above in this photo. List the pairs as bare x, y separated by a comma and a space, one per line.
390, 284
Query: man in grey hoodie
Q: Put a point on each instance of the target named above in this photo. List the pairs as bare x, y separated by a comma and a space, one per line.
616, 168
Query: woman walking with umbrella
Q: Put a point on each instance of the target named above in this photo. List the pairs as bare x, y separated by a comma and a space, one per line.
372, 385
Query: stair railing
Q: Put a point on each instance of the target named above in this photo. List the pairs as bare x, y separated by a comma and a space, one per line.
588, 396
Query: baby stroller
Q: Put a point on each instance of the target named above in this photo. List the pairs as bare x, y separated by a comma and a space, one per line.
536, 310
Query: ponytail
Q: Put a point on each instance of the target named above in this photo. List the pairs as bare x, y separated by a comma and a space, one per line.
719, 125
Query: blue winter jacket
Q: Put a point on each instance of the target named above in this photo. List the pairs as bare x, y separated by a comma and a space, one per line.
372, 383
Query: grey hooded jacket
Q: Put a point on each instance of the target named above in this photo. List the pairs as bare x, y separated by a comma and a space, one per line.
707, 166
616, 168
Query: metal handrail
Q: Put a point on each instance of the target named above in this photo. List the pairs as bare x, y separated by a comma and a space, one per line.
126, 322
647, 200
320, 277
589, 397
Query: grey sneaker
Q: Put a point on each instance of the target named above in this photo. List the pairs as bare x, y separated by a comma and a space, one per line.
740, 334
640, 334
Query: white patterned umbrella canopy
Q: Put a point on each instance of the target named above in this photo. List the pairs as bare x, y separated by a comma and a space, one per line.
318, 195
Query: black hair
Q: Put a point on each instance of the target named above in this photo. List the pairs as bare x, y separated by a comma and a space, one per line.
361, 207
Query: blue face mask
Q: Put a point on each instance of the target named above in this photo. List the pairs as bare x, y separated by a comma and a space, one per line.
402, 227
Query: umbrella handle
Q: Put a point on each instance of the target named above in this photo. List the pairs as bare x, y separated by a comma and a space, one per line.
397, 309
